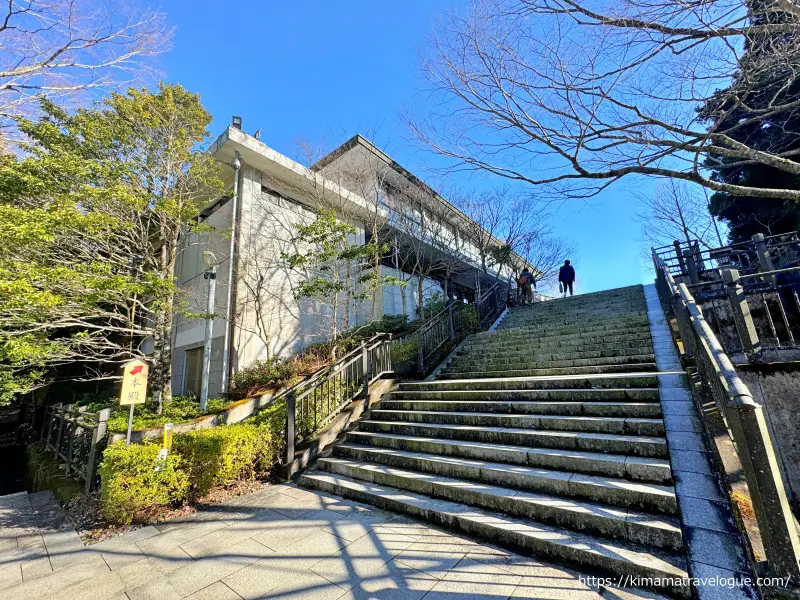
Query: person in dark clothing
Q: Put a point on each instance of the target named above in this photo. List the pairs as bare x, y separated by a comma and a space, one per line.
526, 284
566, 277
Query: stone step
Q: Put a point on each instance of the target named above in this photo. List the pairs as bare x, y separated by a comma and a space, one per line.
528, 319
616, 492
570, 318
618, 558
616, 425
628, 380
615, 310
521, 353
447, 373
581, 395
635, 468
623, 325
644, 446
474, 363
530, 344
600, 337
493, 487
590, 409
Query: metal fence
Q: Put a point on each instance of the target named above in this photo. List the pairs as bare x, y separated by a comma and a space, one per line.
748, 292
743, 418
75, 436
491, 303
313, 402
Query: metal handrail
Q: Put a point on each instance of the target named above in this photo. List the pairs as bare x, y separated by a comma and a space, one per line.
314, 401
309, 379
744, 420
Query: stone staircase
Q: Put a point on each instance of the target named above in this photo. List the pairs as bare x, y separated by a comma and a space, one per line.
544, 435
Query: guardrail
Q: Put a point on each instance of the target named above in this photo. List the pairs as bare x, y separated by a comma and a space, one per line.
491, 303
314, 401
75, 435
744, 420
748, 292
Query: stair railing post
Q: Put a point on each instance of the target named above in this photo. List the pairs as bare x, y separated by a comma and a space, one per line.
290, 426
61, 412
741, 311
98, 434
691, 265
450, 318
365, 370
764, 258
420, 357
763, 476
679, 253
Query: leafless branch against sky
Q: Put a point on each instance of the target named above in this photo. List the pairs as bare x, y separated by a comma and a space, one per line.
577, 94
65, 49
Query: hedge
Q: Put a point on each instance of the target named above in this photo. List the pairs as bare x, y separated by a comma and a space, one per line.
220, 455
131, 487
134, 481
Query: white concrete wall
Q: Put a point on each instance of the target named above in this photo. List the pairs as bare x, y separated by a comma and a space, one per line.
271, 321
392, 295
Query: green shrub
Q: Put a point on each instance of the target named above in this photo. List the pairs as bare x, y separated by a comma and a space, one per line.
131, 486
471, 319
220, 455
404, 352
261, 375
433, 305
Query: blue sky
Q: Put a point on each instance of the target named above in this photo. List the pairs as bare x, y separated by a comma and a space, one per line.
322, 71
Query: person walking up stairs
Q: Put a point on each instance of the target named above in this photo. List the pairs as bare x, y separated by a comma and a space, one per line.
545, 435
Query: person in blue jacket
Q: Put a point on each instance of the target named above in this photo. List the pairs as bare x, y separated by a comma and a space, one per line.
566, 278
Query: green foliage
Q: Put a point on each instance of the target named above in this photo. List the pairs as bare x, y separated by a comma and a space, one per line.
47, 473
91, 213
434, 304
743, 113
132, 486
262, 375
180, 409
220, 455
404, 353
471, 319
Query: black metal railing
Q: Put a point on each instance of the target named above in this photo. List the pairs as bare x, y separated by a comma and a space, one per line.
743, 418
438, 336
76, 437
749, 292
491, 303
314, 401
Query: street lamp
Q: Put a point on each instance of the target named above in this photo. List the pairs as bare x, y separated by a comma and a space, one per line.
210, 275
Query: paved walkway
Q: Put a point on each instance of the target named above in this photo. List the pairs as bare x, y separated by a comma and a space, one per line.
284, 542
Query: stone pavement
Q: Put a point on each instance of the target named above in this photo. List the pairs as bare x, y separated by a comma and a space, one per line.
284, 542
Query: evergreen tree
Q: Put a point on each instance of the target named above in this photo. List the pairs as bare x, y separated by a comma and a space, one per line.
768, 66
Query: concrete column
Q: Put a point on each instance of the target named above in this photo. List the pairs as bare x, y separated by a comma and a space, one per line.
764, 259
741, 311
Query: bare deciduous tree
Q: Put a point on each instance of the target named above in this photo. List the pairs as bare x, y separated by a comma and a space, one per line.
60, 48
576, 94
677, 212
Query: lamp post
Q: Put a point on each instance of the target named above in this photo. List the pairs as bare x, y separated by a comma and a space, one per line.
210, 275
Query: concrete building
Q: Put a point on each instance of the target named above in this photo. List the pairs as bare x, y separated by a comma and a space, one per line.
432, 248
